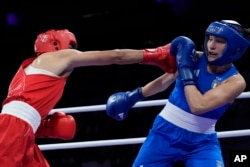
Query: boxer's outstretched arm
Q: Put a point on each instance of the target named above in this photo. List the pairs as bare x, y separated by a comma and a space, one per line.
68, 59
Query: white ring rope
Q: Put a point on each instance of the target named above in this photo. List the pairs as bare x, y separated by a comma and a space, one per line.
147, 103
113, 142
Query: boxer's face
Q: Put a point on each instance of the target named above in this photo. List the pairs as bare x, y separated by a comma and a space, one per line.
215, 47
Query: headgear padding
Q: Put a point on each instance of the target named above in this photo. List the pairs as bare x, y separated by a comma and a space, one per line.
236, 44
53, 40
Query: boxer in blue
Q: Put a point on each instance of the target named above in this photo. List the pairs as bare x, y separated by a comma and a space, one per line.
205, 86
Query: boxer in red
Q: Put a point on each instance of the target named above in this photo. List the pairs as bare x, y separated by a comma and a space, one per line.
39, 84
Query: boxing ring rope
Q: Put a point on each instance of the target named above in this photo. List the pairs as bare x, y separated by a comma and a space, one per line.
114, 142
147, 103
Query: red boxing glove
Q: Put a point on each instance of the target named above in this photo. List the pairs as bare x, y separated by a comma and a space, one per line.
59, 125
160, 57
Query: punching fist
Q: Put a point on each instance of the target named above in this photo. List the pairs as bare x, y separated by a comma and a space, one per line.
185, 51
120, 103
59, 125
160, 57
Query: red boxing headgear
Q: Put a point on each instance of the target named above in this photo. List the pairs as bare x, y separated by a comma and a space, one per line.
53, 40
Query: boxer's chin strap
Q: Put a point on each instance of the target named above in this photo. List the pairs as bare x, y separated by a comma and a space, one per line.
23, 111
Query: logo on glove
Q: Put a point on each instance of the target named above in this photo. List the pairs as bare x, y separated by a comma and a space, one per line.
121, 115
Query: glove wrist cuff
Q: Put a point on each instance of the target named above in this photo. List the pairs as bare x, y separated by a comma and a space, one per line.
136, 95
187, 76
149, 56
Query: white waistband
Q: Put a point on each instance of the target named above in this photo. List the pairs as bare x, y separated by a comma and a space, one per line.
187, 121
23, 111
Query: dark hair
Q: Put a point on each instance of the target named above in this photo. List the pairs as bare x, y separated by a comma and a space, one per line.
246, 33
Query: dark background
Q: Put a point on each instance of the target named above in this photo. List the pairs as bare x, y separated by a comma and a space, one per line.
101, 25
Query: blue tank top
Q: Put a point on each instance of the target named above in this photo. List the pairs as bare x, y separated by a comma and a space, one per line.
205, 82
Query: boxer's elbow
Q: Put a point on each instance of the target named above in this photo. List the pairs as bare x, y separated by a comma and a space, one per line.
119, 55
198, 109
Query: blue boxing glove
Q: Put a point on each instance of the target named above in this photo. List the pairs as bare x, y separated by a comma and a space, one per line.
185, 51
119, 104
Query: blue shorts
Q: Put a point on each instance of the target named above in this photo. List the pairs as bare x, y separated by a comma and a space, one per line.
167, 143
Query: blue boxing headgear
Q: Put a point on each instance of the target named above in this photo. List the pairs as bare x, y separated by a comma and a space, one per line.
231, 31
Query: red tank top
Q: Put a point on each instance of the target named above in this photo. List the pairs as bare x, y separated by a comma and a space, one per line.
38, 90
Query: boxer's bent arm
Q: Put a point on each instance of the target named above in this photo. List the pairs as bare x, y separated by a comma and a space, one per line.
218, 96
